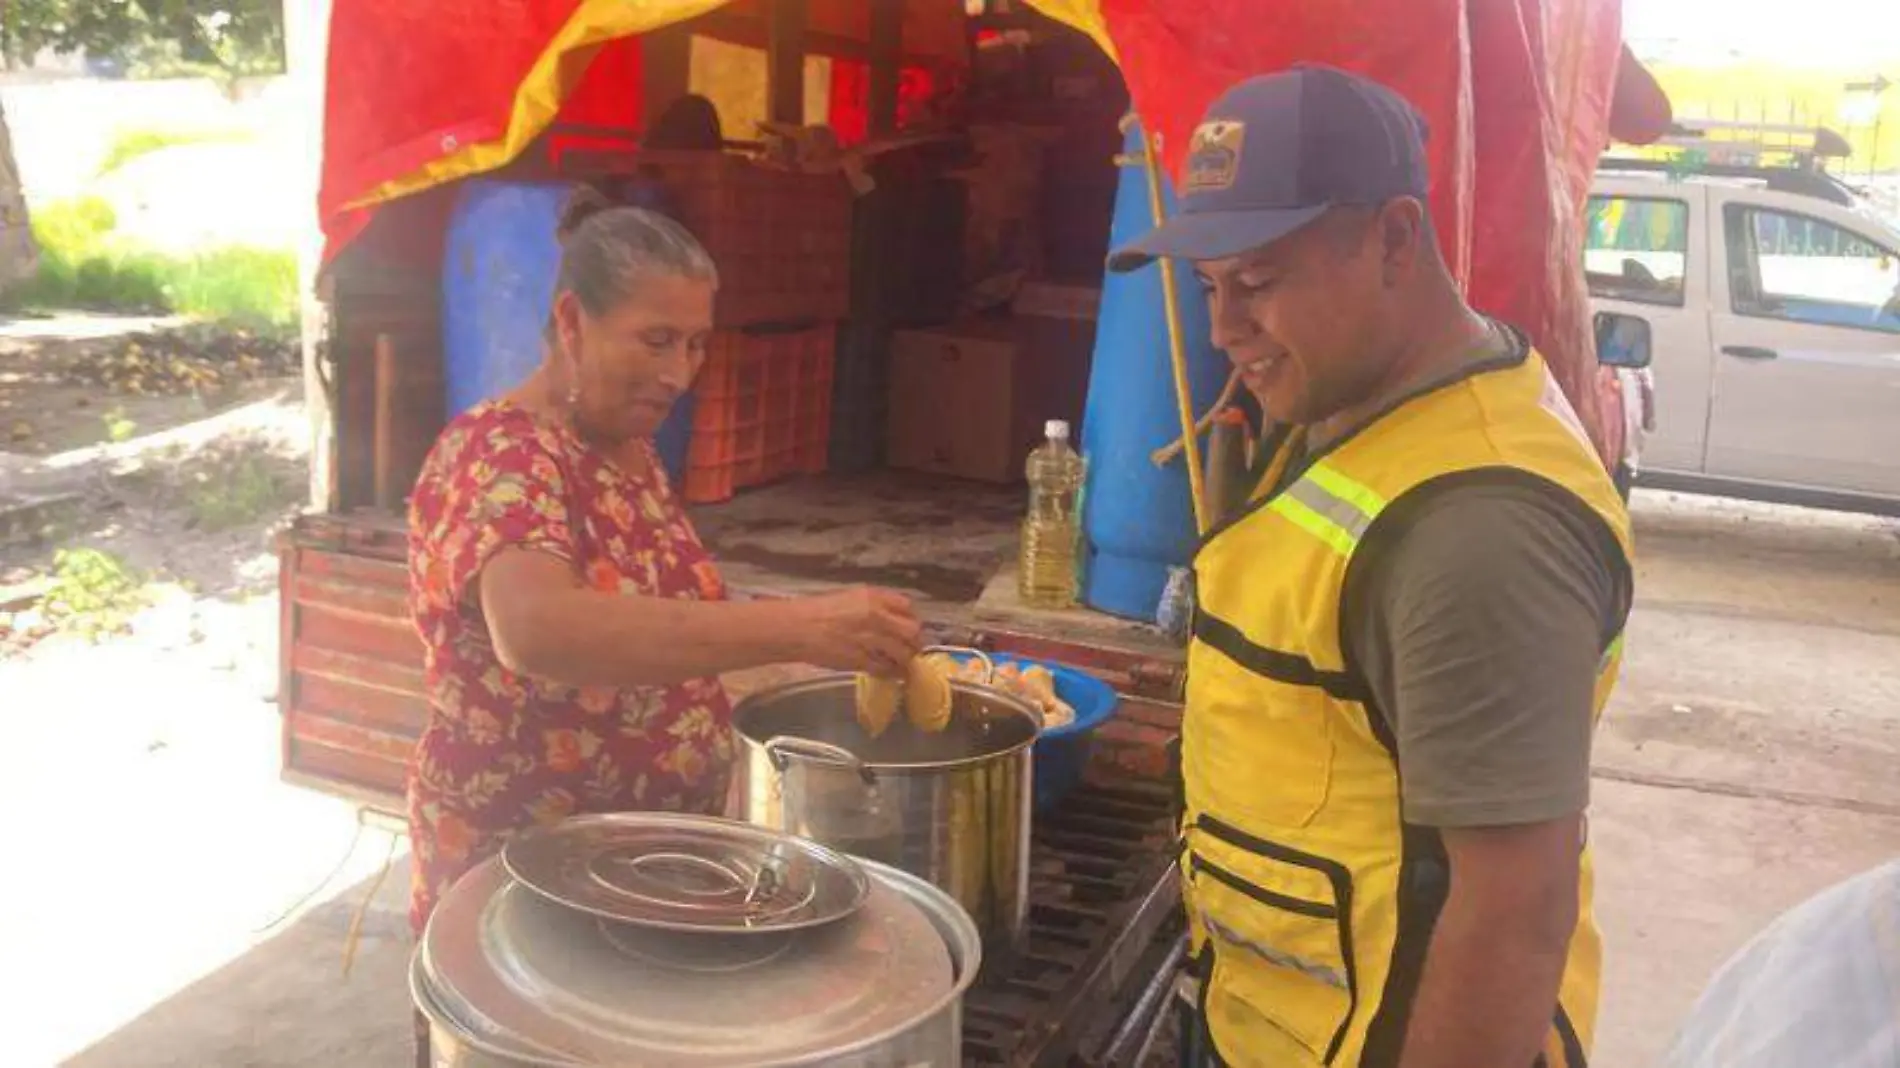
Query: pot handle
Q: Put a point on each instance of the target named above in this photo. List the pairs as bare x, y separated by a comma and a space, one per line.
989, 665
782, 748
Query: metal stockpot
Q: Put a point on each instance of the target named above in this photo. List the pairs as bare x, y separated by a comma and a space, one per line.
510, 980
950, 807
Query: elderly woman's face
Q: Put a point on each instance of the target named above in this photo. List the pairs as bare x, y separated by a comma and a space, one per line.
630, 364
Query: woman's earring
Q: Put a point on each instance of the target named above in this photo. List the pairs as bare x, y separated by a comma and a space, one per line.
573, 396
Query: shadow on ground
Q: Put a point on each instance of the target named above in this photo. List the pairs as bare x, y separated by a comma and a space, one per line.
285, 1003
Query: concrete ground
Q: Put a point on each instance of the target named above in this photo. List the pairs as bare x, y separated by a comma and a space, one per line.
1745, 764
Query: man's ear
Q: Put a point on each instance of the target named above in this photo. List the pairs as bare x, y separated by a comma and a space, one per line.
1402, 236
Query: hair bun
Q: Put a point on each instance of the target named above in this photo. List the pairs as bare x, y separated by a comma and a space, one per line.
583, 204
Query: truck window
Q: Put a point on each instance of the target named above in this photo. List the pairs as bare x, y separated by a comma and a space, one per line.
1785, 265
1637, 249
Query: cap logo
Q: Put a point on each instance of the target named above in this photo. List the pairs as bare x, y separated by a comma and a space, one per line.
1214, 156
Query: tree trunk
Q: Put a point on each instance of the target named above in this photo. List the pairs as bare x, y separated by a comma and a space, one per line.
19, 257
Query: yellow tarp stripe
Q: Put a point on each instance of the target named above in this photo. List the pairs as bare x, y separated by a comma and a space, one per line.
1354, 493
1313, 523
539, 96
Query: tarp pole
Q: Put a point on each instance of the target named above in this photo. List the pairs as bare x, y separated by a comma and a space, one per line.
1177, 347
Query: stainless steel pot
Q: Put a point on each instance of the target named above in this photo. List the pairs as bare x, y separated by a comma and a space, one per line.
508, 979
952, 807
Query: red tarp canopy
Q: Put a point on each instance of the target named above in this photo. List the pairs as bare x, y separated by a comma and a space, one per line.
1520, 95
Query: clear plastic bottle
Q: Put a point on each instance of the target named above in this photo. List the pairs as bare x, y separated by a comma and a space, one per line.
1046, 572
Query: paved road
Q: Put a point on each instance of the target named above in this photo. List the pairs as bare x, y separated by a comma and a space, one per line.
1745, 764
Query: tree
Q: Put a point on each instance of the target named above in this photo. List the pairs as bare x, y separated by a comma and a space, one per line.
225, 39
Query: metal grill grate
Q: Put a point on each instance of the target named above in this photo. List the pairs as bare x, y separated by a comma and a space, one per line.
1102, 890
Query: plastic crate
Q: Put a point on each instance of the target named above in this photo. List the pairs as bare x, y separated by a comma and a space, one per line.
763, 410
782, 239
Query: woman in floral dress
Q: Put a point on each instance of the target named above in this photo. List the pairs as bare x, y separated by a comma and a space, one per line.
575, 627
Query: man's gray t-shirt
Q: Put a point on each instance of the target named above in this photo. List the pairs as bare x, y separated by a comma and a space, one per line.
1479, 627
1477, 613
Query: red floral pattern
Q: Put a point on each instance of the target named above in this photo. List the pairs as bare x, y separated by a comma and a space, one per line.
503, 751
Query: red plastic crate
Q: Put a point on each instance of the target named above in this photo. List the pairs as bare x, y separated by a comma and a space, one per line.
763, 411
782, 239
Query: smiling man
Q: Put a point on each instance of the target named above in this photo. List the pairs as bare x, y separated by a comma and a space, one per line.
1403, 639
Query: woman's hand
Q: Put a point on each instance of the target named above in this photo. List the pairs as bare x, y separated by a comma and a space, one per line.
869, 630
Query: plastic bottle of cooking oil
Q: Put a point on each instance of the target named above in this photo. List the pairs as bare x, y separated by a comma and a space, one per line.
1045, 574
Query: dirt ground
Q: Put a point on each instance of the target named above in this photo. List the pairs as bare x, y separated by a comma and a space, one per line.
182, 907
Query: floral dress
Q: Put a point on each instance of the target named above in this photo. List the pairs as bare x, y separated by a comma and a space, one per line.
503, 751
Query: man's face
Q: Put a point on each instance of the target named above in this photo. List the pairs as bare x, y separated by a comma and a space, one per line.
1305, 319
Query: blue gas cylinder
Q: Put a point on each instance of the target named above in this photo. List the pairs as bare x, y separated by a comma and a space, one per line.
1138, 518
499, 265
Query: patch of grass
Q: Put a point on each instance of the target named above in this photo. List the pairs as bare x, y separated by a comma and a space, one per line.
93, 593
239, 284
83, 266
128, 145
119, 429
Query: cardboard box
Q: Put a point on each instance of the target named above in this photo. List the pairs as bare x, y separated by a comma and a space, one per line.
970, 399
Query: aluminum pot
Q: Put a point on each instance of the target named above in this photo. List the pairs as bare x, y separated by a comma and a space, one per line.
952, 807
755, 1025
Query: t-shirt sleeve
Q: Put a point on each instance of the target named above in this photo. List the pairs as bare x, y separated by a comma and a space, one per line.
505, 487
1479, 631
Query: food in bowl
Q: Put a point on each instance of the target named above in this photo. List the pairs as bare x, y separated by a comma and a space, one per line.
1032, 684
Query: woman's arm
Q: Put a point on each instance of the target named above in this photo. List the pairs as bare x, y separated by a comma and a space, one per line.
545, 623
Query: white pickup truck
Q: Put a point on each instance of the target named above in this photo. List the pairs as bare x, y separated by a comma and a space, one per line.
1772, 304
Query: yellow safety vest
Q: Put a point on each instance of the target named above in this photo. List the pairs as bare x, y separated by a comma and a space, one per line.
1309, 898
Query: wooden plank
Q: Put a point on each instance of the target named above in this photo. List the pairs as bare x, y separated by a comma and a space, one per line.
362, 570
385, 604
367, 742
400, 676
351, 701
356, 633
342, 771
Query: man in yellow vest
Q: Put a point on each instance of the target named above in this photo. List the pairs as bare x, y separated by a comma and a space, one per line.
1403, 638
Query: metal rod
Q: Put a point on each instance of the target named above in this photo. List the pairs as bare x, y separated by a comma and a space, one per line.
1145, 1010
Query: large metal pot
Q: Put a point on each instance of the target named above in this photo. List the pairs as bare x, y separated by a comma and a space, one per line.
952, 807
509, 979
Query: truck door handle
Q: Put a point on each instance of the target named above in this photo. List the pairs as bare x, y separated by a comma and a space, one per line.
1749, 352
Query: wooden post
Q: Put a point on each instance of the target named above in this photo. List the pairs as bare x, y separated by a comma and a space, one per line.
785, 62
887, 57
306, 46
666, 57
383, 456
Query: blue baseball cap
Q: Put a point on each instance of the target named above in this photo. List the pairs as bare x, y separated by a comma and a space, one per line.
1274, 152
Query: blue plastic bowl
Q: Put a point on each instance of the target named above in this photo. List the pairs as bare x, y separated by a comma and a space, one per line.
1062, 753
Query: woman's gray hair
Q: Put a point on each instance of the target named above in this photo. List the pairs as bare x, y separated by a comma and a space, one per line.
607, 249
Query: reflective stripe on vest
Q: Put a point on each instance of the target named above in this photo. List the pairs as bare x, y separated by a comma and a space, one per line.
1329, 506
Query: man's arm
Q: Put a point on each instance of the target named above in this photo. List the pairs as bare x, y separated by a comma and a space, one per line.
1490, 983
1479, 628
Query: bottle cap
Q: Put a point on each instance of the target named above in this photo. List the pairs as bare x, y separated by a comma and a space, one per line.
1056, 430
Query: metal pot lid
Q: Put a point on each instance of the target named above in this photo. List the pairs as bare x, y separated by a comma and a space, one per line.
534, 978
687, 873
